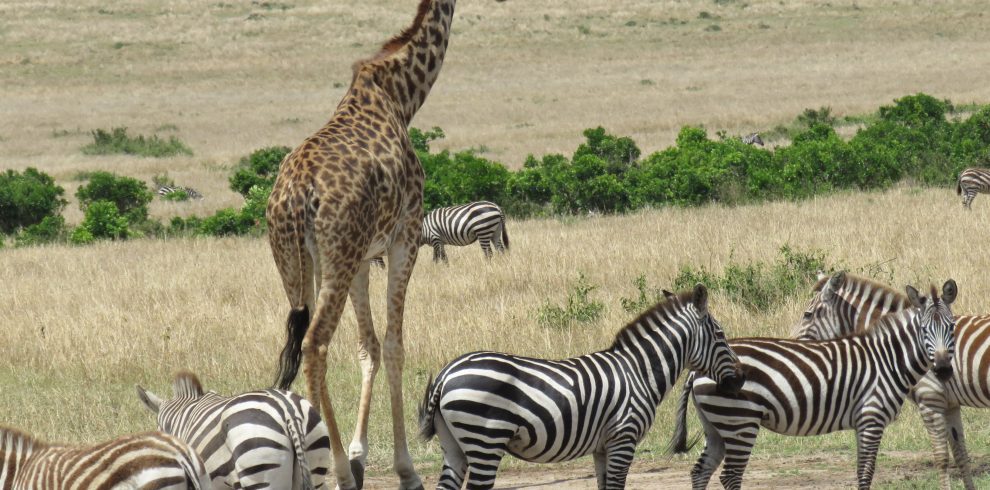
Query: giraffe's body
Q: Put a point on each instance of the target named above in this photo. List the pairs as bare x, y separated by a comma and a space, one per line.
351, 192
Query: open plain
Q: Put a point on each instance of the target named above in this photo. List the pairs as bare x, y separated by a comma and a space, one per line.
79, 326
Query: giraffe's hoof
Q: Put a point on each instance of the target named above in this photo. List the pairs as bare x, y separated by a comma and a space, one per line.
357, 469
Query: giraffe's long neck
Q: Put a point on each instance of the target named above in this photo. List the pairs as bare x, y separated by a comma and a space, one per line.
408, 65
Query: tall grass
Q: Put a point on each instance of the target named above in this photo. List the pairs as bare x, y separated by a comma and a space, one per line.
80, 326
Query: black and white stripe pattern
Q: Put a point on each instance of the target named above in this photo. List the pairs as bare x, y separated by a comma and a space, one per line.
972, 181
805, 388
462, 225
150, 460
753, 139
260, 439
839, 308
487, 404
164, 190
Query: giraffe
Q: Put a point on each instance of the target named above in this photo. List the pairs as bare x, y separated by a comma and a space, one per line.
351, 192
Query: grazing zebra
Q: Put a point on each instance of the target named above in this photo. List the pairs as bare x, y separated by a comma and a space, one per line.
753, 139
804, 388
260, 439
838, 309
462, 225
164, 190
149, 460
486, 404
971, 181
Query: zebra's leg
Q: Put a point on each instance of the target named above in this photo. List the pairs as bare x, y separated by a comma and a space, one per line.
401, 260
439, 254
619, 458
954, 419
739, 440
497, 240
482, 468
968, 199
486, 247
369, 355
931, 407
711, 456
868, 435
600, 468
454, 460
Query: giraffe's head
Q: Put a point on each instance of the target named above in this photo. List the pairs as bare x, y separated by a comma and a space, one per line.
187, 389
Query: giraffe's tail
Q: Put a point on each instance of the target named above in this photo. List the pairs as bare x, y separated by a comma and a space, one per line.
291, 356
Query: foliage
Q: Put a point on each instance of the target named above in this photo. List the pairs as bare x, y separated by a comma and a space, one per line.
51, 229
580, 308
129, 195
162, 180
757, 285
104, 221
259, 168
227, 221
26, 198
177, 195
118, 141
646, 296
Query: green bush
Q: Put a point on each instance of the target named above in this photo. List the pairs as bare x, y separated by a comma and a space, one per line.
645, 298
580, 308
757, 285
177, 195
104, 221
259, 168
461, 178
129, 195
226, 222
51, 229
26, 198
118, 141
255, 205
81, 236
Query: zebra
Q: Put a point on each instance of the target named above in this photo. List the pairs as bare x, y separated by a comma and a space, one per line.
971, 181
149, 460
753, 139
259, 439
165, 190
838, 309
484, 405
462, 225
804, 388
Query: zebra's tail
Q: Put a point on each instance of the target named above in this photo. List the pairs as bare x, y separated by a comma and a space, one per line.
505, 234
294, 428
196, 474
959, 187
678, 441
427, 408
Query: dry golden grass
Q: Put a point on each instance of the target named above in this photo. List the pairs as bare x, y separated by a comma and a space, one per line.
81, 326
520, 77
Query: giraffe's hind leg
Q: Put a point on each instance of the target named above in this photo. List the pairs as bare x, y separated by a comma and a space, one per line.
369, 355
401, 260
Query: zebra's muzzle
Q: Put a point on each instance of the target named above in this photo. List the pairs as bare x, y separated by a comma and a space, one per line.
731, 383
943, 366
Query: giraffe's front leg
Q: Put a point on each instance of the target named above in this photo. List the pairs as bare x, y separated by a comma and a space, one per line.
401, 259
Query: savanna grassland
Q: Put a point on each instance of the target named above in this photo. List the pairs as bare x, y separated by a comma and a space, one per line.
79, 326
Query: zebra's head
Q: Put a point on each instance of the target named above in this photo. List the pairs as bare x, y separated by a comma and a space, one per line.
187, 389
828, 315
937, 325
708, 350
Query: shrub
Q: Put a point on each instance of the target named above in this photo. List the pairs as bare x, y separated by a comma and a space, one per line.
421, 139
226, 222
118, 141
81, 236
579, 307
259, 168
26, 198
129, 195
646, 297
51, 229
760, 286
177, 195
103, 220
255, 205
461, 178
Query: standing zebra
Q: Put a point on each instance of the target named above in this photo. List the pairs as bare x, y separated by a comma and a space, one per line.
462, 225
260, 439
971, 181
839, 308
804, 388
150, 460
486, 404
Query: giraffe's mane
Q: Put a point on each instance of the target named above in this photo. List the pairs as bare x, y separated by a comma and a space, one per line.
658, 310
401, 39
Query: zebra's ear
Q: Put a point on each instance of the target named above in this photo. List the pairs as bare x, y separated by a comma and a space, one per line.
915, 297
149, 399
700, 299
667, 294
949, 291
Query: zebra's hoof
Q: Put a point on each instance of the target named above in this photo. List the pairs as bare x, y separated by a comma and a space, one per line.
357, 469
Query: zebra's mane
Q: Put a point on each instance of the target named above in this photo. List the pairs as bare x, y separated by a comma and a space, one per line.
854, 279
659, 311
10, 436
187, 385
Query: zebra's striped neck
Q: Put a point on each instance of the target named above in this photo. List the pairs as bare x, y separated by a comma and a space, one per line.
655, 347
901, 328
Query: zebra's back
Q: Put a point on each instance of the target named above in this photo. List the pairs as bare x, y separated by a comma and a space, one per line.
463, 225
